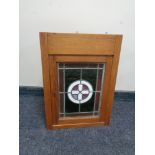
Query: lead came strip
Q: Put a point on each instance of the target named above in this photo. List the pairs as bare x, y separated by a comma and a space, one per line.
80, 83
90, 92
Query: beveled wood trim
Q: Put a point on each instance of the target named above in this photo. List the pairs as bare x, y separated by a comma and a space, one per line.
79, 125
80, 44
46, 79
113, 77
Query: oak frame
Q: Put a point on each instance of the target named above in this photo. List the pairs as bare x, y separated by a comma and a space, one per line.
59, 47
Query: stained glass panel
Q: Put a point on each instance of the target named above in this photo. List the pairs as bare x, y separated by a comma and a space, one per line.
80, 87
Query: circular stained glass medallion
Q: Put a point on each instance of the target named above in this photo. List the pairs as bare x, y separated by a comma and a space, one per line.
80, 91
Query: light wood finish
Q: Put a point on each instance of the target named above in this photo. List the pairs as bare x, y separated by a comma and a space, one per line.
79, 125
79, 44
105, 91
78, 120
54, 88
46, 79
54, 83
113, 76
84, 58
61, 47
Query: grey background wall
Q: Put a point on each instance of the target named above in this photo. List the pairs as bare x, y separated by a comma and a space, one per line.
84, 16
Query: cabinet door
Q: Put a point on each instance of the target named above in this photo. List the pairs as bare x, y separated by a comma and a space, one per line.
79, 90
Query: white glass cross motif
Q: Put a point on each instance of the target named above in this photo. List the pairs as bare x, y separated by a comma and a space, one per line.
80, 92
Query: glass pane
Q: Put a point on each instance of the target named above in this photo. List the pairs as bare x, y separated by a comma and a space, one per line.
90, 75
80, 89
83, 114
89, 105
61, 101
71, 75
83, 65
101, 65
97, 101
61, 65
73, 65
99, 81
70, 106
61, 78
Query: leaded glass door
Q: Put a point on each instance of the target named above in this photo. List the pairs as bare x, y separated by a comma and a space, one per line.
81, 88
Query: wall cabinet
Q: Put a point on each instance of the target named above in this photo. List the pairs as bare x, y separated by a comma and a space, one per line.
79, 75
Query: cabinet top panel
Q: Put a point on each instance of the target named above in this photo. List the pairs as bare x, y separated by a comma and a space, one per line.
80, 44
